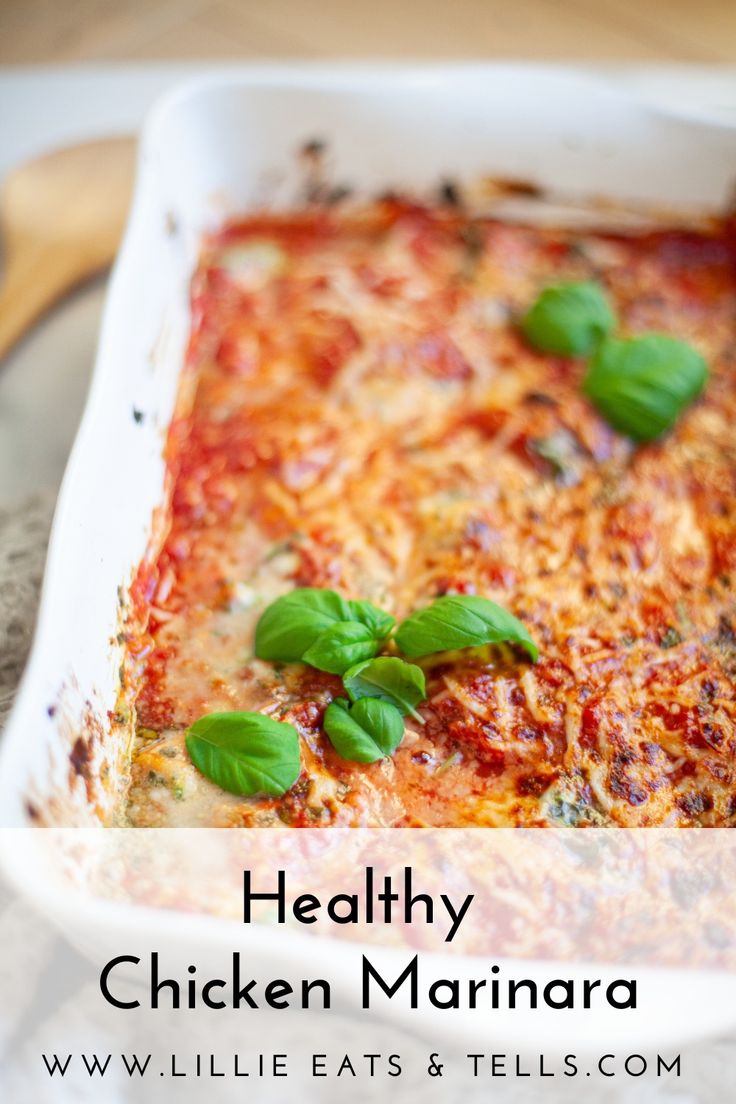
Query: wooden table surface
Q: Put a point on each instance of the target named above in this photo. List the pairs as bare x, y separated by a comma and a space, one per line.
117, 30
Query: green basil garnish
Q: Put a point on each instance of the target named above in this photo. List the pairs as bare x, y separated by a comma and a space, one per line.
461, 621
245, 753
293, 622
340, 646
291, 625
378, 621
365, 732
642, 384
389, 679
569, 319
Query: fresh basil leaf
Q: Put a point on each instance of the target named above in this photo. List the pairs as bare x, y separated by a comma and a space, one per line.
378, 621
340, 646
245, 753
642, 384
369, 730
293, 622
461, 621
389, 679
569, 319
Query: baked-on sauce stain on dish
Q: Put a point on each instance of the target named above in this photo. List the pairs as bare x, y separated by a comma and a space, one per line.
367, 417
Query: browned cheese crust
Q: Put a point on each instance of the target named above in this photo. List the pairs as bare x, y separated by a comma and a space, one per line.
368, 418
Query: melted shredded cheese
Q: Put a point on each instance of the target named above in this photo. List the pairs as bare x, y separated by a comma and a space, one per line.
367, 417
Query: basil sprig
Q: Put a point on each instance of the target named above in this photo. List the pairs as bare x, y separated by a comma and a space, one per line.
340, 646
389, 679
293, 622
245, 753
569, 319
369, 730
291, 625
249, 753
641, 385
377, 620
461, 621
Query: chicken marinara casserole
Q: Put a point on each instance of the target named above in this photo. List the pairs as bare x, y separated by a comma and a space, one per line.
366, 425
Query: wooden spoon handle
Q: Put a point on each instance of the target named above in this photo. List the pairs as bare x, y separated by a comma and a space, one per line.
61, 216
33, 282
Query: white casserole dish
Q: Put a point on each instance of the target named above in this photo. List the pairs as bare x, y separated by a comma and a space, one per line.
217, 146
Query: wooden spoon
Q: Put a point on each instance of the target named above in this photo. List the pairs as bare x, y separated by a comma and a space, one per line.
61, 218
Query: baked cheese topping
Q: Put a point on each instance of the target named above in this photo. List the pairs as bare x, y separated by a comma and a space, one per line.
367, 417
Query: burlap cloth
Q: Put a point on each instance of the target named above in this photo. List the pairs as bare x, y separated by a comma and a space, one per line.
23, 538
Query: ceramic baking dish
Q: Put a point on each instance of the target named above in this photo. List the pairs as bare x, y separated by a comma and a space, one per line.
211, 148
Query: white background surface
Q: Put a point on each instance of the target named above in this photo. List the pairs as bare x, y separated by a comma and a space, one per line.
43, 384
